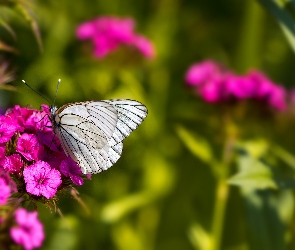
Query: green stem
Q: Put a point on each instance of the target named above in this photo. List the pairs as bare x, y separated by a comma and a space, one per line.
221, 195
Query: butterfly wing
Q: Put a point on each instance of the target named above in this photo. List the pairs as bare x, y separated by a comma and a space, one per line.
130, 115
91, 133
84, 130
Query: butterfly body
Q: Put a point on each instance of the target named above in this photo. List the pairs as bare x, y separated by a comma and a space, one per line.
91, 133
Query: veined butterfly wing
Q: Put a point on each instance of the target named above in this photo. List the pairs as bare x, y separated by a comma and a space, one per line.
91, 133
130, 115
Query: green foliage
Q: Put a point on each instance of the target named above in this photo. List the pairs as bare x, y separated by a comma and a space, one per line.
193, 175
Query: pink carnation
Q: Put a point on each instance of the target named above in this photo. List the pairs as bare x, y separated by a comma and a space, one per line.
5, 176
108, 33
240, 86
41, 179
4, 191
215, 84
28, 146
29, 231
13, 163
144, 46
30, 120
8, 127
202, 72
69, 168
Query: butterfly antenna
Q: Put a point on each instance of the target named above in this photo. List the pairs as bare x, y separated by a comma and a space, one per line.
35, 91
58, 83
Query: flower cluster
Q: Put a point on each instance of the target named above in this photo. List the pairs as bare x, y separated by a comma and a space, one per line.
33, 167
214, 83
108, 33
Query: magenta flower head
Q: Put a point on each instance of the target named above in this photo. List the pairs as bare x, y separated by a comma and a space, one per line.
41, 179
29, 231
108, 33
8, 128
202, 72
13, 163
215, 84
69, 168
28, 146
4, 191
31, 156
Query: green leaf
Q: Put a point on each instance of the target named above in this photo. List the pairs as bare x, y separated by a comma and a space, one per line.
196, 144
254, 174
284, 18
260, 175
284, 155
7, 27
199, 237
266, 229
28, 17
255, 148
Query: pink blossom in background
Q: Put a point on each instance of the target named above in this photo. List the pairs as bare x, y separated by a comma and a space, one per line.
214, 84
28, 146
202, 72
41, 179
4, 191
13, 163
211, 91
144, 46
69, 168
277, 98
108, 33
29, 231
239, 86
263, 84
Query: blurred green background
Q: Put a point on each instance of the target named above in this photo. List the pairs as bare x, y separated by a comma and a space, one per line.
170, 189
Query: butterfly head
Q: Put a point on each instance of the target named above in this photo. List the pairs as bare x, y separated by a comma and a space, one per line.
52, 110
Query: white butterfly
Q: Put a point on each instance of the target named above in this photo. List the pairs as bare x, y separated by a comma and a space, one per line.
91, 133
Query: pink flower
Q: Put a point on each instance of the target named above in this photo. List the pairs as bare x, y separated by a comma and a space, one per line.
49, 139
41, 179
38, 121
202, 72
5, 176
264, 86
29, 231
212, 91
108, 33
28, 146
2, 150
144, 46
69, 168
13, 163
4, 191
215, 84
2, 153
240, 86
19, 115
8, 127
277, 98
30, 120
